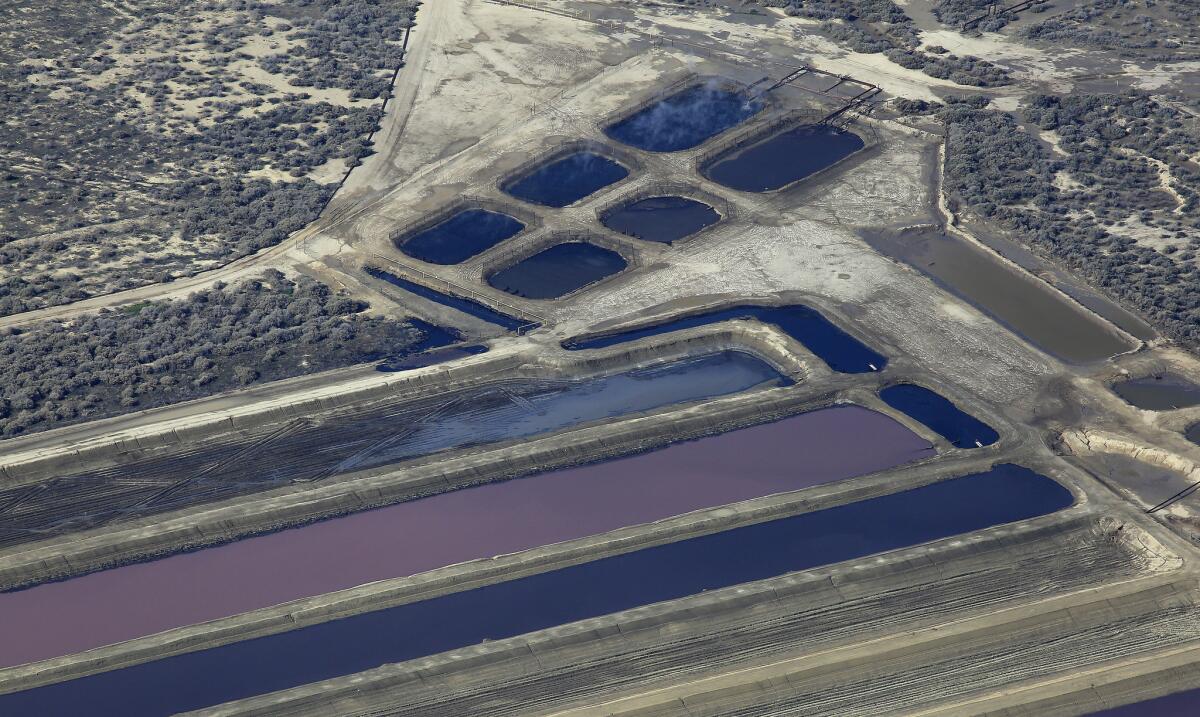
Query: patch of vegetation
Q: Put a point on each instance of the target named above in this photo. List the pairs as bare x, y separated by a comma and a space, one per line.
161, 352
172, 137
881, 26
1106, 184
1158, 30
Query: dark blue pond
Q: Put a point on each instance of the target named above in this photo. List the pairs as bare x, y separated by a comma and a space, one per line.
567, 180
841, 351
460, 237
192, 681
937, 412
467, 306
1193, 433
783, 158
685, 119
1180, 704
559, 270
661, 219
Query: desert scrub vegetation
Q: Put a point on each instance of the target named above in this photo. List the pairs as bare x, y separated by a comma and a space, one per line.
159, 138
161, 352
881, 26
1106, 184
1157, 30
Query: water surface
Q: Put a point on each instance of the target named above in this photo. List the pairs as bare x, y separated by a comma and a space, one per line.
841, 351
408, 538
684, 119
1180, 704
461, 237
1004, 494
1193, 433
939, 414
383, 433
567, 180
783, 158
661, 219
1162, 392
470, 307
1029, 307
559, 270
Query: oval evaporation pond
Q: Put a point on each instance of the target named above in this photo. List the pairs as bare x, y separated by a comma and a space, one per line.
1004, 494
783, 158
685, 119
939, 414
661, 219
841, 351
461, 237
567, 180
1162, 392
559, 270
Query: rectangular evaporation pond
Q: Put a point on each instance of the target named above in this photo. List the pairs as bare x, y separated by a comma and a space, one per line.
1180, 704
685, 119
558, 271
661, 219
1163, 392
467, 306
939, 414
462, 236
567, 180
408, 538
841, 351
1005, 494
1027, 306
382, 434
782, 158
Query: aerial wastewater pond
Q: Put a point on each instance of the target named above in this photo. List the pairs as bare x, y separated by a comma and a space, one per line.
383, 434
1179, 704
664, 219
685, 119
1026, 305
1004, 494
449, 528
1193, 433
468, 306
839, 350
782, 158
1160, 392
567, 180
558, 271
940, 415
460, 237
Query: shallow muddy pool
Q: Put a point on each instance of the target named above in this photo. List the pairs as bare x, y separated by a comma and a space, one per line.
661, 219
782, 158
1193, 433
1029, 307
684, 119
940, 415
462, 236
1161, 392
1005, 494
841, 351
567, 180
558, 271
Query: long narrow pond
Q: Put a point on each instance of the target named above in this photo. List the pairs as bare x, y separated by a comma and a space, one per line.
408, 538
938, 413
841, 351
386, 433
470, 307
1027, 306
1004, 494
1180, 704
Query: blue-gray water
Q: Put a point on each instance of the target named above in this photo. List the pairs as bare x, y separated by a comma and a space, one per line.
783, 158
200, 679
567, 180
684, 119
461, 237
559, 270
661, 219
942, 416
